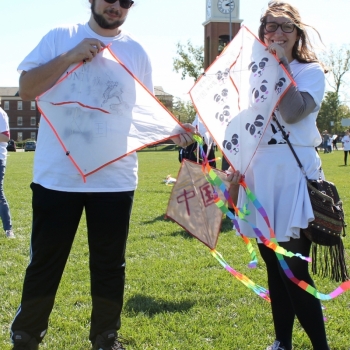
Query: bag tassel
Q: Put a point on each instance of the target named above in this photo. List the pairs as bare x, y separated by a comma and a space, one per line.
329, 261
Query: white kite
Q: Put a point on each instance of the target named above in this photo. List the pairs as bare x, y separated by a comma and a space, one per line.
100, 112
237, 95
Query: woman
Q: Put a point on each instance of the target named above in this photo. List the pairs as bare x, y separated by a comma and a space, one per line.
4, 207
278, 182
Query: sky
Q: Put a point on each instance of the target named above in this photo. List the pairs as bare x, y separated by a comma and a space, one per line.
158, 24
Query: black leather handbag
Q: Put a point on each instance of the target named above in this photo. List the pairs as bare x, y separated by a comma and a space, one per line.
328, 226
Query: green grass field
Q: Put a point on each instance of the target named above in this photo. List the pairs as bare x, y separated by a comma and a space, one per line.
177, 296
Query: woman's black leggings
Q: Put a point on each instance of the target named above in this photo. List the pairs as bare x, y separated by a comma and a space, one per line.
288, 300
346, 157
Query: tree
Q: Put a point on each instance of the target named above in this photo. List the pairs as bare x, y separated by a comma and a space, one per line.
332, 109
184, 111
332, 112
328, 112
190, 61
338, 62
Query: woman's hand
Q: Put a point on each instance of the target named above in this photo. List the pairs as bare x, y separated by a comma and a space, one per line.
277, 50
234, 177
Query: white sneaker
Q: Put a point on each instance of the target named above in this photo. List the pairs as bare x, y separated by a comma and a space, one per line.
10, 234
276, 346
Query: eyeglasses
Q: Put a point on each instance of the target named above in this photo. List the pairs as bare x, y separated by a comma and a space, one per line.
125, 4
287, 27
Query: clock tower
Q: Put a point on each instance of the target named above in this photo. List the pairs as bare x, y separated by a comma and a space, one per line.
221, 25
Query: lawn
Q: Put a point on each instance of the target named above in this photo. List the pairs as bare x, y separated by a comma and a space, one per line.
177, 296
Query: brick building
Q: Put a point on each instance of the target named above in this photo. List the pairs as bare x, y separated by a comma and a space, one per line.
24, 116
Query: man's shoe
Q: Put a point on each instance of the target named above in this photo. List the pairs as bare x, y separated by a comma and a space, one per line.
276, 346
108, 341
23, 341
10, 234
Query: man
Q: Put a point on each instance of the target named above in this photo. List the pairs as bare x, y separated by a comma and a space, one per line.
60, 196
4, 207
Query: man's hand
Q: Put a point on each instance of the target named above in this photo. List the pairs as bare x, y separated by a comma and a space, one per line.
38, 80
86, 50
185, 139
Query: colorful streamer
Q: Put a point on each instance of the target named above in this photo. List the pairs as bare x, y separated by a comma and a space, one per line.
272, 243
261, 291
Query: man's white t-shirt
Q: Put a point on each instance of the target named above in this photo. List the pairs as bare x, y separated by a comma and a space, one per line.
52, 168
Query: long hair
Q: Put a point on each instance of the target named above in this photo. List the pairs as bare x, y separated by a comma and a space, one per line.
303, 50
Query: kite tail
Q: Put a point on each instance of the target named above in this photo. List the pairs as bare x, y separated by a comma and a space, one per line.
254, 259
345, 286
259, 290
243, 212
272, 244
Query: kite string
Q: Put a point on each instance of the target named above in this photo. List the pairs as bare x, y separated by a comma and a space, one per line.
273, 244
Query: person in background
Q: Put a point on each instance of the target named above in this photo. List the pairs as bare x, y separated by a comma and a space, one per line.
281, 182
346, 146
4, 206
208, 141
325, 141
329, 144
59, 197
334, 142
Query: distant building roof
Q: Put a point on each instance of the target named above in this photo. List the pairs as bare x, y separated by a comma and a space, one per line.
8, 91
159, 91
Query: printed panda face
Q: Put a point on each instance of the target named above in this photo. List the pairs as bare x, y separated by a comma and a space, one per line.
258, 68
226, 73
224, 116
222, 97
222, 76
231, 145
279, 84
255, 129
260, 94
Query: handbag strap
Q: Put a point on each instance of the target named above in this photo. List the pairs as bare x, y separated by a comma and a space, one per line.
286, 137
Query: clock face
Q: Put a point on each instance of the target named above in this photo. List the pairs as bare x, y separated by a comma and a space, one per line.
208, 8
226, 6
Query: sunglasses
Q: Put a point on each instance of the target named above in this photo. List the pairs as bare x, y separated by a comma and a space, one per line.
125, 4
287, 27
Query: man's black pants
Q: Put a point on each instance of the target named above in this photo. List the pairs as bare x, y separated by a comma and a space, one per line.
56, 216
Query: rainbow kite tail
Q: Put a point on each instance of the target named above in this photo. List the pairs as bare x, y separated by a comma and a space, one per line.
259, 290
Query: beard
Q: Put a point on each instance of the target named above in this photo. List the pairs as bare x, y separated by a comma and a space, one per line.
102, 22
